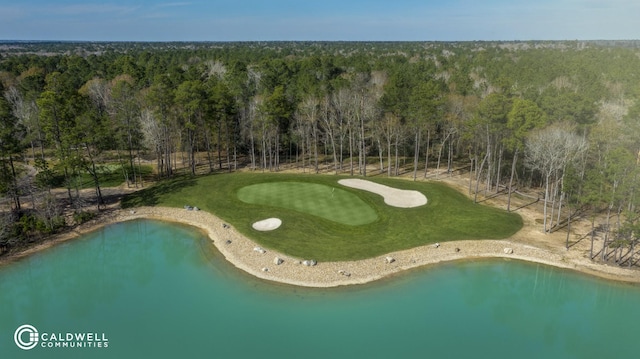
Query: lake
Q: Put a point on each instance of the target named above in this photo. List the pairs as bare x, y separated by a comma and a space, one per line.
153, 289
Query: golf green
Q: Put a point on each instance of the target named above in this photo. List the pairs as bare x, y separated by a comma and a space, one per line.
319, 200
306, 233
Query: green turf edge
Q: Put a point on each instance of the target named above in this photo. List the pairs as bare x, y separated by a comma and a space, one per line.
448, 216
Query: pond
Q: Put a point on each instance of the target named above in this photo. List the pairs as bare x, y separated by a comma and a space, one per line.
153, 289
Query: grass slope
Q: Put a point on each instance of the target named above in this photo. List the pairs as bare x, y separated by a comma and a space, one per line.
449, 215
320, 200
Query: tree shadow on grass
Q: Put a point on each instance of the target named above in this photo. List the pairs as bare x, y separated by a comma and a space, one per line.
151, 195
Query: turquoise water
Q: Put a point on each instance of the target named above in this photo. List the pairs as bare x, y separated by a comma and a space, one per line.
161, 290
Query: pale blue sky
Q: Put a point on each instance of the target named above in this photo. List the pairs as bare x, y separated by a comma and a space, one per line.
246, 20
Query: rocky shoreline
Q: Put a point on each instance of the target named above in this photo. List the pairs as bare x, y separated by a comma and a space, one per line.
278, 267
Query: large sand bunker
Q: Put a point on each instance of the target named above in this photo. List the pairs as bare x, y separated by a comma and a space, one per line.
392, 196
268, 224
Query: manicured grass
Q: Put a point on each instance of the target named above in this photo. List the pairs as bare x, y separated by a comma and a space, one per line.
315, 199
449, 215
110, 175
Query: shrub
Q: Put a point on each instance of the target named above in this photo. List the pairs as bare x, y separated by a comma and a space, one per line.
82, 217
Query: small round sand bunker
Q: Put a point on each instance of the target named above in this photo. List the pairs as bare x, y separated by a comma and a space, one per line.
268, 224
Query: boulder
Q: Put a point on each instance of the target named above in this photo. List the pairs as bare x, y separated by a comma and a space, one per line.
457, 249
259, 250
508, 251
309, 263
389, 260
265, 269
278, 261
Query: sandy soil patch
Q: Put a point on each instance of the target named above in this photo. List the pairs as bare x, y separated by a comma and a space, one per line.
268, 224
392, 196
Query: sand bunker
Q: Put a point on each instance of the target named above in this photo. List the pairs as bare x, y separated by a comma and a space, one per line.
392, 196
268, 224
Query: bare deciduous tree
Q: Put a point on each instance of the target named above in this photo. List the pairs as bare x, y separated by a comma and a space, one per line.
549, 151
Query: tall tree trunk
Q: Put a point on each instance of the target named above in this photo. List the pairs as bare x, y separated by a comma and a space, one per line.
389, 166
416, 154
253, 150
397, 160
605, 243
513, 172
131, 163
315, 150
450, 157
15, 191
560, 205
440, 152
568, 230
593, 234
96, 181
608, 222
207, 142
219, 146
546, 200
125, 173
228, 143
335, 155
363, 143
499, 169
350, 151
426, 157
139, 167
471, 160
554, 196
380, 157
478, 173
277, 152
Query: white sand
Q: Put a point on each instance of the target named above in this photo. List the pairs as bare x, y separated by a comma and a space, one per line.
268, 224
392, 196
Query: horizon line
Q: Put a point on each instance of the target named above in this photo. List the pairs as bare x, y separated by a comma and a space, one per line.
325, 41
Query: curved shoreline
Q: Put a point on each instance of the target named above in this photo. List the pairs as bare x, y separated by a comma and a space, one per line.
240, 252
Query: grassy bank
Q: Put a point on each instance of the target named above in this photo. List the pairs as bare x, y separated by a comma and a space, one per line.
448, 215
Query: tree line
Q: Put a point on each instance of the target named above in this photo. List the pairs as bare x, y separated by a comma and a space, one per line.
559, 118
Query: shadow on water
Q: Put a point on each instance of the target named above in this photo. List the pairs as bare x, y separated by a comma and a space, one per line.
151, 196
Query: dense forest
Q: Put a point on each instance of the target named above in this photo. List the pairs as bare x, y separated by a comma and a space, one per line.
561, 119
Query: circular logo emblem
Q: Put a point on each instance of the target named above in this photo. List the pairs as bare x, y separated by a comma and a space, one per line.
26, 337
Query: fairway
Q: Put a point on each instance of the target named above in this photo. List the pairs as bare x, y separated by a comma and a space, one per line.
325, 228
315, 199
